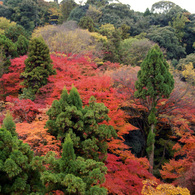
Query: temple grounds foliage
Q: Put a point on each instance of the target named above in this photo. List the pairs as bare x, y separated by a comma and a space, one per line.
102, 102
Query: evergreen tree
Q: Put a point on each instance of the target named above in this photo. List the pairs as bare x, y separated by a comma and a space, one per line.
66, 7
38, 65
67, 116
7, 50
98, 3
86, 22
9, 124
22, 45
14, 32
111, 47
73, 175
154, 83
17, 176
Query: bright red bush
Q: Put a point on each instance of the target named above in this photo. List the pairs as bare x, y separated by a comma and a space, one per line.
125, 178
23, 110
10, 82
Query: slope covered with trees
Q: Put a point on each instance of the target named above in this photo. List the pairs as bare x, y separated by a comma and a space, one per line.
96, 98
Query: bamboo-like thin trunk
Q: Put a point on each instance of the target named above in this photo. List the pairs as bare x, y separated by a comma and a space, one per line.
151, 155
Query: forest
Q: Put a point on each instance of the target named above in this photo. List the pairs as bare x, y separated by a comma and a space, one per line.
96, 98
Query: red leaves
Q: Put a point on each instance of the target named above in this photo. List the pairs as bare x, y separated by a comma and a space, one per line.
124, 178
10, 83
179, 170
23, 110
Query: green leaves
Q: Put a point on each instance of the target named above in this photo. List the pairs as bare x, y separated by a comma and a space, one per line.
17, 176
74, 184
154, 83
73, 175
38, 65
67, 116
154, 79
9, 124
11, 168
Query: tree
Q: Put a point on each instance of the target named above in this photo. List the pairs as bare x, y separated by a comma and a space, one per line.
111, 47
116, 14
10, 82
38, 65
9, 124
98, 3
84, 125
22, 45
68, 38
179, 24
7, 50
94, 13
3, 66
124, 29
78, 12
133, 50
151, 187
23, 110
162, 6
183, 61
74, 175
34, 134
167, 39
5, 24
25, 13
86, 22
66, 7
154, 83
14, 31
125, 176
17, 175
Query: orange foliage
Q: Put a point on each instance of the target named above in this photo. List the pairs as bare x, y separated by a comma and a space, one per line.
37, 137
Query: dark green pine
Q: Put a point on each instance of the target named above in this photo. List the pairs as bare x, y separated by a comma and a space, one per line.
67, 116
73, 175
38, 65
17, 176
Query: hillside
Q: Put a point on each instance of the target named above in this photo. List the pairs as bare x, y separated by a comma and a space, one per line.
96, 98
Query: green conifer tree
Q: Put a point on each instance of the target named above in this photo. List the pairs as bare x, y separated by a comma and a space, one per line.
22, 45
73, 175
9, 124
17, 176
154, 83
67, 116
38, 65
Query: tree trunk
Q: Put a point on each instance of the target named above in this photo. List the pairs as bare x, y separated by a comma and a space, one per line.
151, 155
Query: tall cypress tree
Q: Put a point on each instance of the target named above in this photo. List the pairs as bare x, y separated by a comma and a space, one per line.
154, 83
38, 65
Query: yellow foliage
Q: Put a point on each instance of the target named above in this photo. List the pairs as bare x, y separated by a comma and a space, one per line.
5, 24
94, 12
107, 29
152, 188
63, 39
98, 37
189, 72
